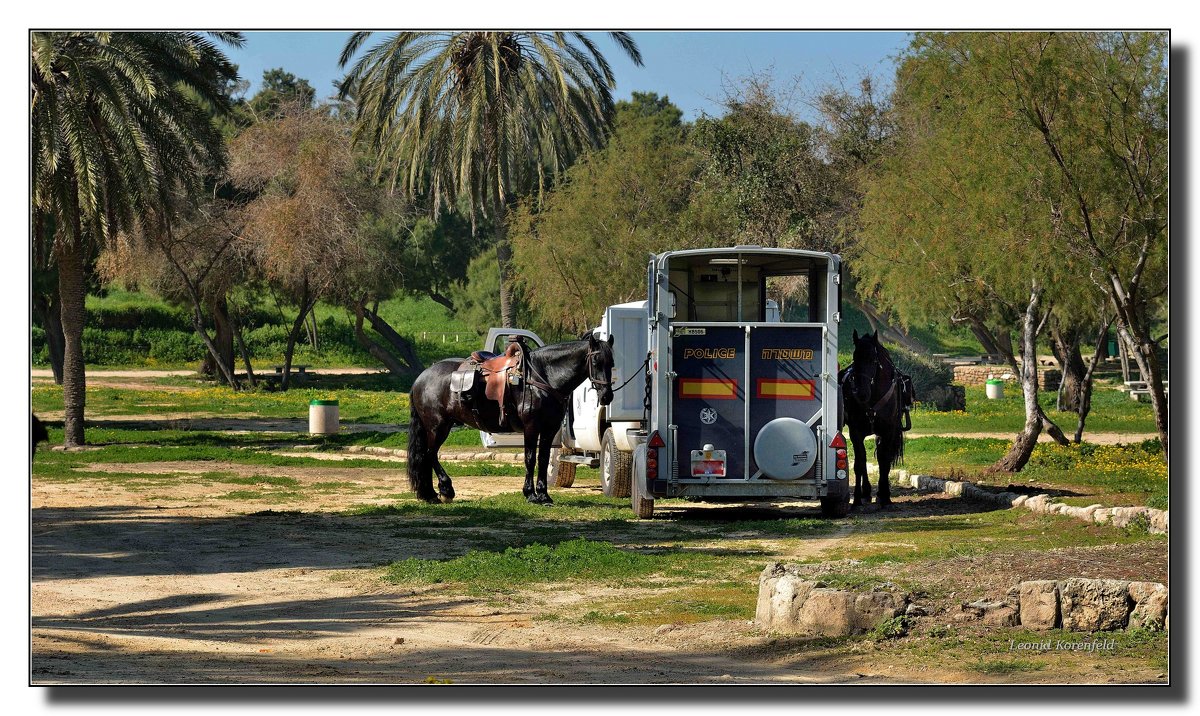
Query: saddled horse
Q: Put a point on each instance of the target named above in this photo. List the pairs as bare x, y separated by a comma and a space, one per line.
533, 404
876, 397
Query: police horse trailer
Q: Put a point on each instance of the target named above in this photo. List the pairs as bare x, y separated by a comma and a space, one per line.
729, 382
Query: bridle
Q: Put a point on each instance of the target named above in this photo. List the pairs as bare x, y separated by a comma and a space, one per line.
591, 370
873, 410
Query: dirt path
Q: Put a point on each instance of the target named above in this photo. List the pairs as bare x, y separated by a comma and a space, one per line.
179, 583
129, 590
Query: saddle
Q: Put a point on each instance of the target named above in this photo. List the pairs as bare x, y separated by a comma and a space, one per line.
498, 370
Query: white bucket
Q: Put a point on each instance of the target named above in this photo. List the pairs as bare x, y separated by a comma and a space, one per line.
995, 389
323, 417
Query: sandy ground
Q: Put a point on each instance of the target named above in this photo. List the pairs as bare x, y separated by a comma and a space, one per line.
185, 586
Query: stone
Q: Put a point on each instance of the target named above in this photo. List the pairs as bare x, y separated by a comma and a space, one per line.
992, 613
1150, 605
1088, 514
953, 487
1094, 604
915, 610
789, 603
1158, 521
1102, 515
1020, 500
1037, 503
1038, 604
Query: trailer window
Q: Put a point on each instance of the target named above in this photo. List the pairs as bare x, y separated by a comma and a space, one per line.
794, 296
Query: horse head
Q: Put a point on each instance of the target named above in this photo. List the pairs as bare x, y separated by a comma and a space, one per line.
599, 366
865, 366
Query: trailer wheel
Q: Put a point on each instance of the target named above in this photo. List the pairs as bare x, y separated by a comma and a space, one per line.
835, 507
615, 467
560, 472
643, 505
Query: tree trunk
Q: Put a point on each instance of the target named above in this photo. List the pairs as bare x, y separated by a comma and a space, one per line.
402, 345
985, 339
503, 258
312, 320
1065, 345
1085, 393
880, 323
71, 293
222, 339
293, 336
48, 310
439, 298
241, 344
377, 351
1018, 455
1145, 354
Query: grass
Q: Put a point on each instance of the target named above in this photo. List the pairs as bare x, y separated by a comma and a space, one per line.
1112, 411
355, 405
915, 539
537, 563
1106, 474
139, 330
992, 651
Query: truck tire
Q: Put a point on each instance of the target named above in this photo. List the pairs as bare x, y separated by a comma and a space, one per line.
835, 507
643, 505
615, 467
560, 472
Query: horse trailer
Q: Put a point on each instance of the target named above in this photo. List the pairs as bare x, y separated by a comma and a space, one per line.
729, 384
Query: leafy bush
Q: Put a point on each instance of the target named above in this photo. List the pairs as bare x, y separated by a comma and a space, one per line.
928, 375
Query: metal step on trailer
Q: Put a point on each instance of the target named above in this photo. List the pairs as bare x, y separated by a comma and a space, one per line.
581, 460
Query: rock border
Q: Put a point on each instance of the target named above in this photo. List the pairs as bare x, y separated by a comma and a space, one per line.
1157, 521
789, 602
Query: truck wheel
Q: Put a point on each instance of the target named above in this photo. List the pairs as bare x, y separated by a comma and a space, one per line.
615, 466
643, 505
560, 472
835, 507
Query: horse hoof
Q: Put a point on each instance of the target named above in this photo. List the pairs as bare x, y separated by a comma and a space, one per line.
447, 499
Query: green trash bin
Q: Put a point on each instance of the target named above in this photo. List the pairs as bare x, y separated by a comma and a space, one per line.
995, 388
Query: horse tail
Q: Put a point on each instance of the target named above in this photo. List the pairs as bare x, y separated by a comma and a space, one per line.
420, 469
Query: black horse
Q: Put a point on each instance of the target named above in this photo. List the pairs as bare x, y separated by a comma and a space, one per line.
876, 397
534, 406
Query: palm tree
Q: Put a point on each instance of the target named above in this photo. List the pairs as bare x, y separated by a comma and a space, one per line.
480, 117
118, 124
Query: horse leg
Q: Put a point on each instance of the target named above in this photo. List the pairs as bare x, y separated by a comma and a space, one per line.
885, 452
531, 438
445, 487
862, 484
545, 440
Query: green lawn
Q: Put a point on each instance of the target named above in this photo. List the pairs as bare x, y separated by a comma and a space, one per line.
1112, 475
1112, 411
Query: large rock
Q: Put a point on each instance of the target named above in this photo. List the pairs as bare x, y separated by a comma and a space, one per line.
1038, 604
991, 613
1150, 605
787, 603
781, 593
1094, 604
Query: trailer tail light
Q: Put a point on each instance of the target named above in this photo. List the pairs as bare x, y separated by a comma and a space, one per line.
652, 447
839, 446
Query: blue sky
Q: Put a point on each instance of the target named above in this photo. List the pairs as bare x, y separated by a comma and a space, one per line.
690, 67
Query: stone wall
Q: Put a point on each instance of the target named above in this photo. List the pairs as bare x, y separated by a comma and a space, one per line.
790, 604
1048, 376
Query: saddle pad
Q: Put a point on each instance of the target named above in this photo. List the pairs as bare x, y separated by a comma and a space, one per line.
462, 381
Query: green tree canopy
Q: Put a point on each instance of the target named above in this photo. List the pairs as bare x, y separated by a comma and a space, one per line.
586, 246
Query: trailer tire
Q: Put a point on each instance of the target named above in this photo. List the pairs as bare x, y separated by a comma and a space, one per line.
835, 507
616, 466
562, 473
643, 505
